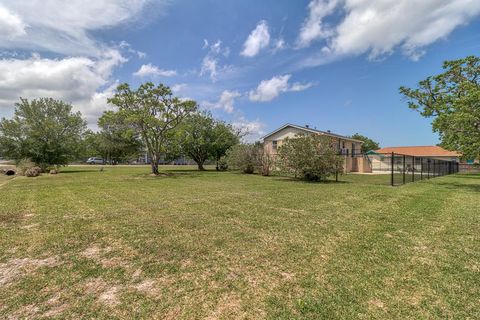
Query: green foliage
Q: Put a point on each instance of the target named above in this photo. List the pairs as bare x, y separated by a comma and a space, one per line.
243, 157
153, 113
45, 130
452, 99
368, 144
222, 164
311, 157
115, 141
225, 137
203, 137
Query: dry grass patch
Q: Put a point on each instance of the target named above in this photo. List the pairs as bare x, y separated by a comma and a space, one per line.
17, 268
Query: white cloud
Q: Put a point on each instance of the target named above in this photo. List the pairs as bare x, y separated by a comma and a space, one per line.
66, 26
313, 27
258, 39
149, 70
251, 130
74, 80
297, 86
225, 102
268, 90
82, 73
125, 45
379, 27
179, 87
279, 45
11, 25
211, 61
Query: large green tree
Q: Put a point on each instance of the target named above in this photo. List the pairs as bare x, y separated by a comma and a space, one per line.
452, 100
45, 130
116, 141
368, 144
152, 112
203, 138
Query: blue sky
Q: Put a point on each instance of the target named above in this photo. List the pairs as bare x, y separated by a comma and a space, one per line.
335, 65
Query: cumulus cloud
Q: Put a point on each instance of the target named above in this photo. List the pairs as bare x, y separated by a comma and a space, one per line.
82, 72
76, 80
225, 102
66, 26
211, 62
258, 39
377, 28
149, 70
251, 130
268, 90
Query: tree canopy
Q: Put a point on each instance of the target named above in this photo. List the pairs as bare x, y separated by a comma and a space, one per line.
368, 144
45, 130
116, 141
452, 99
203, 137
152, 112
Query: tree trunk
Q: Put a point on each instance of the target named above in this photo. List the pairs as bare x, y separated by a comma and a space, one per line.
154, 164
200, 166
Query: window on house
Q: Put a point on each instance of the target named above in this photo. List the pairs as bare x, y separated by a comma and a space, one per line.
274, 144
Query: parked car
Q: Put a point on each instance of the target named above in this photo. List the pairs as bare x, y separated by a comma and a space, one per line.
95, 160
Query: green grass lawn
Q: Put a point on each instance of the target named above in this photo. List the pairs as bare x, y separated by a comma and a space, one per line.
188, 245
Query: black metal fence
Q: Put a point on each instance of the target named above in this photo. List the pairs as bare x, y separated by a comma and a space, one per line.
403, 169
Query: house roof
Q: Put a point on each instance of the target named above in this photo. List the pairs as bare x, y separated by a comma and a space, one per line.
312, 131
420, 151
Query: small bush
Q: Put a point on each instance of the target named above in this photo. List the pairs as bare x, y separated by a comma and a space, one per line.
243, 157
23, 165
265, 162
222, 164
250, 158
33, 172
312, 157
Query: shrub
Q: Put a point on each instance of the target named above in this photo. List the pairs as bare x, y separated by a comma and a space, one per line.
250, 158
23, 165
243, 157
265, 162
33, 172
311, 157
222, 164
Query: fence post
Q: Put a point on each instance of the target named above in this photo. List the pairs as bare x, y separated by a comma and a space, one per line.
391, 168
421, 168
428, 168
434, 169
403, 169
413, 169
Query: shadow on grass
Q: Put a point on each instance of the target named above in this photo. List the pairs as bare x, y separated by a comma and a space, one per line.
468, 175
460, 186
298, 180
78, 171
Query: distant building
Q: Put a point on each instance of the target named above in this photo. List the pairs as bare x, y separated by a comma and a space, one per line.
381, 160
350, 148
431, 152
